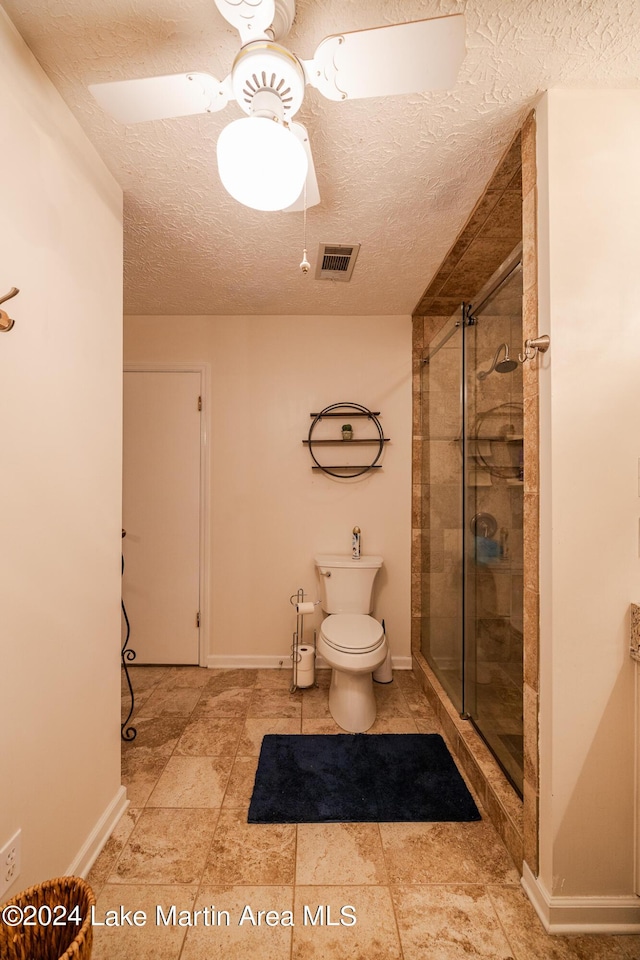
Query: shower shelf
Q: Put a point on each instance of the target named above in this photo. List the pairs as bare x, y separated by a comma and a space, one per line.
516, 438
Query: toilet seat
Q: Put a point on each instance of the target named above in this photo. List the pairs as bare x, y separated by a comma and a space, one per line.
353, 633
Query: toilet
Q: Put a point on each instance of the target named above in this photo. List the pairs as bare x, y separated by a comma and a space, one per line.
350, 641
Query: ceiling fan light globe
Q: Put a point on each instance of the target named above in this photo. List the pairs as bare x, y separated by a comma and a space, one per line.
261, 163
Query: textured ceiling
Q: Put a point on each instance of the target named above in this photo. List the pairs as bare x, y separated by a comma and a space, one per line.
398, 175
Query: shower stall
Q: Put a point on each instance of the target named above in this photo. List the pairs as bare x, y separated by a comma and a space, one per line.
473, 473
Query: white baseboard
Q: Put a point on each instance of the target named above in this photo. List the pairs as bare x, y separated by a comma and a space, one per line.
277, 662
581, 915
96, 840
401, 663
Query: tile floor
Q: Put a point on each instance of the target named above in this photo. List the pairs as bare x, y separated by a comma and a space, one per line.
421, 891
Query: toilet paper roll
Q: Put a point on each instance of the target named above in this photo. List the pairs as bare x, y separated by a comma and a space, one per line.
306, 667
305, 607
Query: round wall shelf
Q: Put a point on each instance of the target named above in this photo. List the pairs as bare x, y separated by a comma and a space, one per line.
346, 411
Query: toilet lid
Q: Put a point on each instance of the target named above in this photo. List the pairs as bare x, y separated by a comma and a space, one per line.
352, 632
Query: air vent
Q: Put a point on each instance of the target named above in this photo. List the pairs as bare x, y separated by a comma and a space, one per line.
336, 260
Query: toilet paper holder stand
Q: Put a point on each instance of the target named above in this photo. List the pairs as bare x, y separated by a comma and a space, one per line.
298, 600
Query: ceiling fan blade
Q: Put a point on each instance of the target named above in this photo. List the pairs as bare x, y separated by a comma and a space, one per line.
158, 98
385, 61
251, 18
313, 194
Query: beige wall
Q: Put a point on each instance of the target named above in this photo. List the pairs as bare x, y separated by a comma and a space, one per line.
60, 430
589, 197
269, 512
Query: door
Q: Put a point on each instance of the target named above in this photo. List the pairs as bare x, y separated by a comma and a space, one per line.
161, 514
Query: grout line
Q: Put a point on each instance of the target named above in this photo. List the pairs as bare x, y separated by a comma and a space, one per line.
213, 832
500, 923
389, 889
395, 920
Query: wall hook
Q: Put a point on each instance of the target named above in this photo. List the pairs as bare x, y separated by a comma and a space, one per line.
6, 323
533, 347
12, 293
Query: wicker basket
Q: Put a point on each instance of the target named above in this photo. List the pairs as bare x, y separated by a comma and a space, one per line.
45, 941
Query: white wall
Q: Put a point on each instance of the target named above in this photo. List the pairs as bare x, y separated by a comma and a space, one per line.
60, 442
589, 198
270, 513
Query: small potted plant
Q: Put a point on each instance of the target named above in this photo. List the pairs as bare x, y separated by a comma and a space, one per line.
347, 431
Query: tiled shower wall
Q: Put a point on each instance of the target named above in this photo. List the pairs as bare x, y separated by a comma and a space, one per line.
505, 214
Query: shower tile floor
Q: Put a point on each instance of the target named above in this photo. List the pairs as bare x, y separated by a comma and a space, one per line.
421, 891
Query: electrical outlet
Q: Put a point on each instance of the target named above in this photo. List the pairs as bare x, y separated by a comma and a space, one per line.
10, 862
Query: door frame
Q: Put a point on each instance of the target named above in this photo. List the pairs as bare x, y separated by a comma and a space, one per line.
204, 369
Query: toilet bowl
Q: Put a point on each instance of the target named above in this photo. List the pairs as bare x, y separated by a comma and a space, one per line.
354, 645
350, 641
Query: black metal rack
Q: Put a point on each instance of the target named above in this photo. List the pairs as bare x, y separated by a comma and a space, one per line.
346, 411
127, 732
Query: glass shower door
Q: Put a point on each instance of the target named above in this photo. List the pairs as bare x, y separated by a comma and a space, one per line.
442, 509
493, 547
471, 516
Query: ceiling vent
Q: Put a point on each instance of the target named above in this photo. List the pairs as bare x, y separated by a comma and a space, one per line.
336, 260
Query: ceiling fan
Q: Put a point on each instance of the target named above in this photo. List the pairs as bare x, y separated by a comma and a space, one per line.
268, 165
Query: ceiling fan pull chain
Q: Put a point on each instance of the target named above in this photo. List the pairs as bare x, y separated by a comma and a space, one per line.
305, 266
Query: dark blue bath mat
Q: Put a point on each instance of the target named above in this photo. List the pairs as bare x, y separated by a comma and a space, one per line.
351, 778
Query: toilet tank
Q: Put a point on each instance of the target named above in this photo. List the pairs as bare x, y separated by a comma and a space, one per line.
346, 585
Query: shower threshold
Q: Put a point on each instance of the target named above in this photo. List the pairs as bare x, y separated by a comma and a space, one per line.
499, 798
